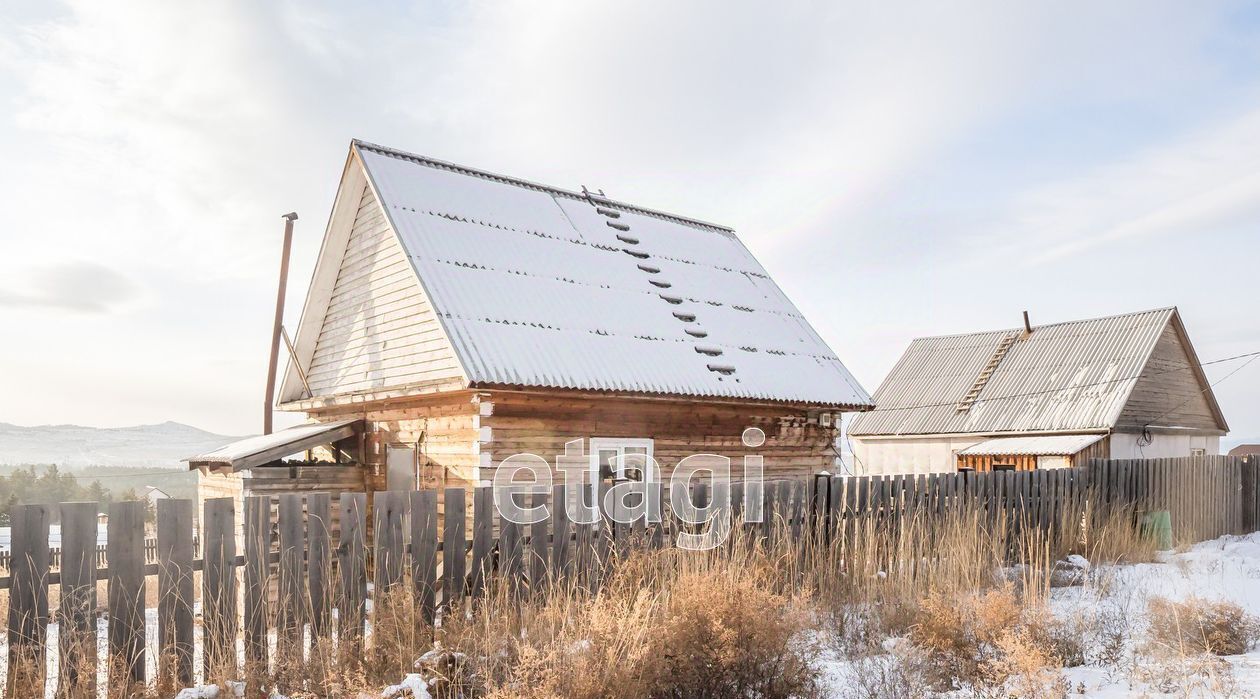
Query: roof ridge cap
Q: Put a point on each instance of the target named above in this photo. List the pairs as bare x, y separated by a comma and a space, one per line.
529, 184
1047, 325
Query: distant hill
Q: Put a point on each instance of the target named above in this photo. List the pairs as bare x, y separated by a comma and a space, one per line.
74, 446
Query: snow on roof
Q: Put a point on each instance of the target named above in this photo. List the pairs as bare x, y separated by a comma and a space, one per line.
542, 287
1057, 445
1066, 376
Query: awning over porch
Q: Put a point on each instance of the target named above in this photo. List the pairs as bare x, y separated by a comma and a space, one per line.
1057, 445
262, 449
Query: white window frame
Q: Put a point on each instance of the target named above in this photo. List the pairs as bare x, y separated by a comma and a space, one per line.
620, 443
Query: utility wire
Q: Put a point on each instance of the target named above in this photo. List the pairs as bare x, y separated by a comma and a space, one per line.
1207, 388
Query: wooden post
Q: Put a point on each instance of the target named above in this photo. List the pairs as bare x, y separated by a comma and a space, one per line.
257, 578
424, 517
319, 562
175, 588
388, 510
291, 578
76, 613
453, 552
1248, 495
28, 599
584, 544
482, 539
510, 553
560, 563
352, 567
218, 596
125, 545
539, 547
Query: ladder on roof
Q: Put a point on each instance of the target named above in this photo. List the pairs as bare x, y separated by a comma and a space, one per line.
1003, 347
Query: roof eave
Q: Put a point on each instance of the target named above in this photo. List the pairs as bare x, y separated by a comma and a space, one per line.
685, 397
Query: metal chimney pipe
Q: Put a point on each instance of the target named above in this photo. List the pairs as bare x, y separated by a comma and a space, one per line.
1027, 325
269, 401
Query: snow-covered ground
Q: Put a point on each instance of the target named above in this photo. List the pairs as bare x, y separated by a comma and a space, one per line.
1226, 569
1117, 597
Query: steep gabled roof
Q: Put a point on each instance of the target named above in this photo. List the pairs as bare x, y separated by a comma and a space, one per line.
1072, 376
536, 286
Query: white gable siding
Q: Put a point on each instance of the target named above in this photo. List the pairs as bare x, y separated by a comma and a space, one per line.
379, 328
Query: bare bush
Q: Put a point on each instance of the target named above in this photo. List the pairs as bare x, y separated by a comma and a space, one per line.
1201, 626
902, 673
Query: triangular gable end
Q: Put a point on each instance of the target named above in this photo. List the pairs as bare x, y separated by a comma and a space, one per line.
367, 324
1172, 390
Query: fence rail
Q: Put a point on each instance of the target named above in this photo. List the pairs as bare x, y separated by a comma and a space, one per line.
295, 573
55, 557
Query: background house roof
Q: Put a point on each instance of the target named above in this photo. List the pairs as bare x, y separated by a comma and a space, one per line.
1066, 376
543, 287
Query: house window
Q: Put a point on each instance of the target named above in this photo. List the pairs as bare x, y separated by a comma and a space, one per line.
622, 459
1198, 452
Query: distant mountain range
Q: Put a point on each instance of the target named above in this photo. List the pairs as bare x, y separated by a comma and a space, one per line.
74, 446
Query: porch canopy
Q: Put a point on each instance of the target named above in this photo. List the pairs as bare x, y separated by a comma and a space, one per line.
266, 448
1056, 445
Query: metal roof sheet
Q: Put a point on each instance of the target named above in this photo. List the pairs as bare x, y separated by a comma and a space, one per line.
264, 448
1066, 376
543, 287
1054, 445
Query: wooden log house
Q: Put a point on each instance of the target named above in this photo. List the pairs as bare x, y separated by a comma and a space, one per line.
458, 317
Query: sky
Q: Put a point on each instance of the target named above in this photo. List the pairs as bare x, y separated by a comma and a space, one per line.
901, 169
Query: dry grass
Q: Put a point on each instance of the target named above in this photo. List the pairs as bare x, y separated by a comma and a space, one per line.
740, 621
991, 640
1198, 626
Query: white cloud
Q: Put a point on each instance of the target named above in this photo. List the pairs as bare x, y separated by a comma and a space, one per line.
163, 141
80, 286
1205, 181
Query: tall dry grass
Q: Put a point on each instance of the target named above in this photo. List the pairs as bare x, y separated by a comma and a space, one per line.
742, 620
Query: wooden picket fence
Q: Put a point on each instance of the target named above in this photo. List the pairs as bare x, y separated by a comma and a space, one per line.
305, 560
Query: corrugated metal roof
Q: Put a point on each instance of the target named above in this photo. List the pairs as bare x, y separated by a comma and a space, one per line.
1056, 445
263, 448
543, 287
1066, 376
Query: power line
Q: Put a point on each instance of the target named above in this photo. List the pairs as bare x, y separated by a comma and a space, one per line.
1207, 388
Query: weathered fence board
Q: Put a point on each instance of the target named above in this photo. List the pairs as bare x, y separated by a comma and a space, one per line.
28, 597
218, 596
125, 543
352, 566
256, 578
290, 607
175, 588
319, 562
76, 611
453, 551
424, 551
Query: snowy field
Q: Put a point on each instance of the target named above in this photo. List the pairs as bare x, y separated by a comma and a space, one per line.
1116, 598
1226, 569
